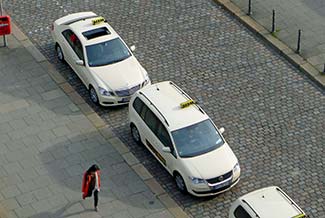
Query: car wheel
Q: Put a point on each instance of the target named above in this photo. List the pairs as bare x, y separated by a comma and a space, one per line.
180, 183
135, 134
93, 95
59, 53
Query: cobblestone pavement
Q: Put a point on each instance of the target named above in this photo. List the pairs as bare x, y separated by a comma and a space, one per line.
273, 114
292, 15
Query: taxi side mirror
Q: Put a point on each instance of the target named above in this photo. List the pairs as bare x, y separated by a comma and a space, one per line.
222, 130
166, 149
132, 48
80, 62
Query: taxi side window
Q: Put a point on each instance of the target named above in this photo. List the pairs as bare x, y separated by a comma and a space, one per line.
137, 105
163, 136
140, 107
152, 121
74, 42
143, 111
240, 212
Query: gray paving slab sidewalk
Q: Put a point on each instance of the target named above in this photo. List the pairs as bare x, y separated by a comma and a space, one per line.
291, 15
46, 143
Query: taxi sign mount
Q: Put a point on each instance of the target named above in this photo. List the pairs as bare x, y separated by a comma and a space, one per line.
299, 216
187, 103
98, 20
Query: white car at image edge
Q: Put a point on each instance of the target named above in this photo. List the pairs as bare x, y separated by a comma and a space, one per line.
99, 57
269, 202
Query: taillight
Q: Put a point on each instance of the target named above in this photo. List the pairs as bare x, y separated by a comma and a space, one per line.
52, 26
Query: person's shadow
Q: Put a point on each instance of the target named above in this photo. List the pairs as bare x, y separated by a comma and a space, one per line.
60, 213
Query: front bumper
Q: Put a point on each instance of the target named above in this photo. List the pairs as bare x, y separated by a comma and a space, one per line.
113, 100
203, 190
117, 100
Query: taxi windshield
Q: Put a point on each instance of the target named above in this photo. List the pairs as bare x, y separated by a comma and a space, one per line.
197, 139
107, 52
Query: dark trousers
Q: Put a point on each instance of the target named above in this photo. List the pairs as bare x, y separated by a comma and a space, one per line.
95, 198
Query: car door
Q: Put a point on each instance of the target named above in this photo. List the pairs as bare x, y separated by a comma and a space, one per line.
164, 141
74, 51
66, 46
148, 126
153, 142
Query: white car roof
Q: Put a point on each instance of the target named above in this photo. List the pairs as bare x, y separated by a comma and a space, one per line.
272, 202
167, 97
82, 22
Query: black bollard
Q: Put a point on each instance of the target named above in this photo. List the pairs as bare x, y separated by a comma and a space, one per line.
273, 21
298, 43
249, 7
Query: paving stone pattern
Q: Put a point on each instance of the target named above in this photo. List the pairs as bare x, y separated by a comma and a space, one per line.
273, 114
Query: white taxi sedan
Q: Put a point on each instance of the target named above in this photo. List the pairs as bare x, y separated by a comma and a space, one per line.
99, 57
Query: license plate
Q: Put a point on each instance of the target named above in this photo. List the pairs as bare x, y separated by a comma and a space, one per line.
221, 185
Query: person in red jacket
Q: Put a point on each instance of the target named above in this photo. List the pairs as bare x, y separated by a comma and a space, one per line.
91, 184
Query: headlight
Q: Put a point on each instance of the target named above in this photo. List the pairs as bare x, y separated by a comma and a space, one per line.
236, 168
196, 181
103, 91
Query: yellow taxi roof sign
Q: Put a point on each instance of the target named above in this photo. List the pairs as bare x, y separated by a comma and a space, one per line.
187, 103
98, 20
299, 216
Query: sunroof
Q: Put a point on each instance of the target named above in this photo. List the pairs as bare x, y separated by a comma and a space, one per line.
91, 34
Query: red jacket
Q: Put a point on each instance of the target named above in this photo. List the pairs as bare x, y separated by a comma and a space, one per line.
88, 184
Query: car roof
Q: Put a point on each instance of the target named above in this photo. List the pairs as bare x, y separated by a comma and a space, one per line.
271, 202
82, 22
167, 97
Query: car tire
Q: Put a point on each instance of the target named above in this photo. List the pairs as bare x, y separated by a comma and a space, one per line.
135, 134
180, 184
93, 95
59, 53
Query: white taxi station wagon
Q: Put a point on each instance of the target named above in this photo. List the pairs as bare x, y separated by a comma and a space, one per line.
183, 139
269, 202
100, 58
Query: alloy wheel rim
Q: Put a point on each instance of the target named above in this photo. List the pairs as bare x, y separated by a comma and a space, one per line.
179, 182
135, 134
93, 95
59, 53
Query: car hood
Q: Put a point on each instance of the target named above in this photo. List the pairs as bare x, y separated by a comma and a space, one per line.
120, 75
212, 164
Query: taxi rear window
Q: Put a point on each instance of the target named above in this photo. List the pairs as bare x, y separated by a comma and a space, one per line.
91, 34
